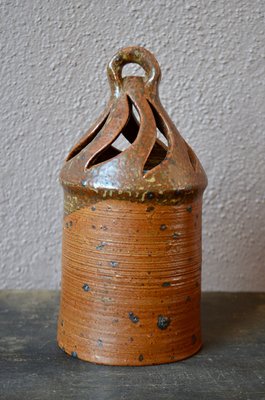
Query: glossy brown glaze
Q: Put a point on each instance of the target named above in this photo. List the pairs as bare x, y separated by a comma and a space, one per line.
131, 259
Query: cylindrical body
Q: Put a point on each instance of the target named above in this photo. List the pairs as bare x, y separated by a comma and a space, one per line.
131, 282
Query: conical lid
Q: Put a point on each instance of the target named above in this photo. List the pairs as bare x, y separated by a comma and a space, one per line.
148, 168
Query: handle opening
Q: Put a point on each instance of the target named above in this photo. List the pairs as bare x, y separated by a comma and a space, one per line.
135, 55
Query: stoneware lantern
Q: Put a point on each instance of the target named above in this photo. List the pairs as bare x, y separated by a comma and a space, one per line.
131, 255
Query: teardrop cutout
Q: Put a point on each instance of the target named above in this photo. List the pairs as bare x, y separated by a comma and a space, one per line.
126, 137
160, 149
81, 145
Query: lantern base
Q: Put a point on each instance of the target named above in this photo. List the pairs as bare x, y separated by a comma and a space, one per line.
137, 362
131, 282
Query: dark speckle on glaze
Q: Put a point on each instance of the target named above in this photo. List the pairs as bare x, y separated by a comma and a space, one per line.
163, 322
176, 235
189, 209
150, 195
101, 246
133, 317
193, 339
100, 343
114, 264
74, 354
163, 227
86, 287
166, 284
141, 357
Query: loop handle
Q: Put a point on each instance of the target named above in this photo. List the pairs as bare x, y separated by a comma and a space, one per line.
137, 55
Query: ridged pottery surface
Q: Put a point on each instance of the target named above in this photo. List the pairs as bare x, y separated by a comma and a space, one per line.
131, 283
131, 256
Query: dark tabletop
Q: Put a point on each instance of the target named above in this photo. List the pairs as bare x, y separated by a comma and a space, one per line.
231, 365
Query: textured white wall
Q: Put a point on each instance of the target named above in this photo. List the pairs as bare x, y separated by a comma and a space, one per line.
53, 85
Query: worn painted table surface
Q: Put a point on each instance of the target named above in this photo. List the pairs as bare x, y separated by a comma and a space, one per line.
231, 364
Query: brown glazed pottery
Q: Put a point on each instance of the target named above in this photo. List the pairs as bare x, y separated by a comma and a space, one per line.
131, 256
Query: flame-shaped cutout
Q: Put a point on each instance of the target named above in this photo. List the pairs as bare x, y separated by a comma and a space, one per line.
86, 140
128, 135
125, 138
130, 131
160, 148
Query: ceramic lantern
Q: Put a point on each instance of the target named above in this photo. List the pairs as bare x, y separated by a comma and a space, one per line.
131, 255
